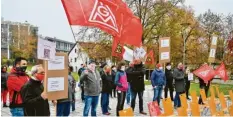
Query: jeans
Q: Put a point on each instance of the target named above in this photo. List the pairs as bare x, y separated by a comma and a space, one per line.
177, 102
128, 93
134, 95
90, 102
157, 93
63, 109
17, 112
104, 102
120, 101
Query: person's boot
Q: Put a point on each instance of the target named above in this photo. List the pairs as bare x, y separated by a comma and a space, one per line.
4, 105
143, 113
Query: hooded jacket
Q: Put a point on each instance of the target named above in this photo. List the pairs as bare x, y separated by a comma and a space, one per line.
15, 82
158, 78
34, 104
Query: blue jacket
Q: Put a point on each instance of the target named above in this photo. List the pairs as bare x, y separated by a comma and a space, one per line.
158, 78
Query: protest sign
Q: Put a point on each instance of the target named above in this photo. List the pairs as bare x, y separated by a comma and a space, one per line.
45, 49
164, 49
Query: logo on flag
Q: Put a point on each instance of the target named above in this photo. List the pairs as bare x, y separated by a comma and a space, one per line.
204, 73
222, 72
148, 59
102, 14
118, 49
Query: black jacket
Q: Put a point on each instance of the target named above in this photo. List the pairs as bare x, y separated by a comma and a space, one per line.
169, 77
113, 78
34, 104
4, 76
107, 83
136, 77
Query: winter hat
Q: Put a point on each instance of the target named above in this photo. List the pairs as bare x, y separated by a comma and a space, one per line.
158, 65
91, 61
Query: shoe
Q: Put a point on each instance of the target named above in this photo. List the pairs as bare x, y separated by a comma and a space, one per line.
107, 113
109, 108
143, 113
188, 99
4, 105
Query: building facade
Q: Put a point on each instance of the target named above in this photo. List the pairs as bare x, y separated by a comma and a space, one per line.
14, 33
61, 45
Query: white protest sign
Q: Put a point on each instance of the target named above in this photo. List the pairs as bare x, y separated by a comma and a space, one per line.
46, 49
128, 55
57, 64
212, 53
214, 40
139, 53
165, 43
55, 84
164, 55
190, 76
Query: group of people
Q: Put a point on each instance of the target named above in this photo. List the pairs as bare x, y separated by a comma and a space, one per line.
28, 98
26, 91
178, 78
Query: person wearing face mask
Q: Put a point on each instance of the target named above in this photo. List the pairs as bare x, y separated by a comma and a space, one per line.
158, 80
169, 81
33, 95
92, 88
4, 90
16, 79
114, 70
178, 75
122, 86
106, 89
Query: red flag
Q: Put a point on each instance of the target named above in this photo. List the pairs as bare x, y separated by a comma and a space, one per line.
117, 48
205, 72
111, 16
222, 72
150, 58
154, 109
98, 13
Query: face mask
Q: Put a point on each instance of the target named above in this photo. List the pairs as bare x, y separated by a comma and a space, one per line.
160, 68
107, 70
122, 68
114, 69
21, 69
40, 77
169, 67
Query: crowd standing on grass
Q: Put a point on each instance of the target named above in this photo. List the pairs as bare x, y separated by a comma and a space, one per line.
28, 98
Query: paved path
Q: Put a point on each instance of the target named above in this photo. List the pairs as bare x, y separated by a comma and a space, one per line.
148, 96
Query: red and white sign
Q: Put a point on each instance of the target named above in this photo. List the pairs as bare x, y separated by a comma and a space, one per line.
205, 72
222, 72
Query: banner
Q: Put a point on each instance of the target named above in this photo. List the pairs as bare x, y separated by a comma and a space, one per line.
128, 54
117, 48
205, 72
150, 58
111, 16
154, 109
213, 48
222, 72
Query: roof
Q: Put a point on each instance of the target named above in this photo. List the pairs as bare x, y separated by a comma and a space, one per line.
55, 39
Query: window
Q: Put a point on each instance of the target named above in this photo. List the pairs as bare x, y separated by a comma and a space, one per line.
75, 59
58, 45
75, 50
65, 46
71, 60
62, 45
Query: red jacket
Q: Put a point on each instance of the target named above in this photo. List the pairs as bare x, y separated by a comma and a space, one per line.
15, 82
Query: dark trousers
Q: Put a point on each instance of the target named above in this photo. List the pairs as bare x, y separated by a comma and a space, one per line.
140, 96
206, 92
82, 93
63, 109
113, 94
170, 88
73, 102
120, 101
104, 102
187, 87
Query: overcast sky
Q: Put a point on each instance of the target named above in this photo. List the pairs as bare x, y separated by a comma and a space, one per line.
50, 17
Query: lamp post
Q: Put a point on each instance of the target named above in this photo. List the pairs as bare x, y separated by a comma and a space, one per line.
185, 26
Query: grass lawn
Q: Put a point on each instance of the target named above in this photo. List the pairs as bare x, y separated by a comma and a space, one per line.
195, 87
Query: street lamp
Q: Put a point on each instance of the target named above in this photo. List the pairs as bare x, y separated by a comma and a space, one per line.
185, 26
